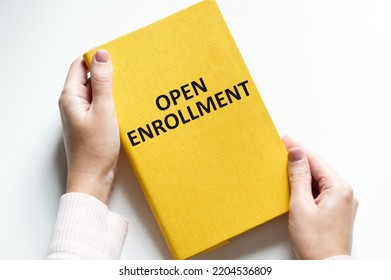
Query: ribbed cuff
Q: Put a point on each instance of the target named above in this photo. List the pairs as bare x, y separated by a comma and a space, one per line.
87, 229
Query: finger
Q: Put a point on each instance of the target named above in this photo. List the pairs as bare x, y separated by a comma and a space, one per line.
321, 170
300, 179
101, 79
77, 75
289, 142
75, 93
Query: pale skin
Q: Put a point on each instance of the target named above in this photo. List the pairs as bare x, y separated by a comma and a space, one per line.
319, 227
90, 126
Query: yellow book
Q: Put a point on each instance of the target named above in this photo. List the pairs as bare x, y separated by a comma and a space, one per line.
197, 134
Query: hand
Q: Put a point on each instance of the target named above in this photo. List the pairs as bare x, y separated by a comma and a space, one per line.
91, 133
322, 206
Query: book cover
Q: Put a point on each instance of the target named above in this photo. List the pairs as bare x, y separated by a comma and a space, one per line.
196, 132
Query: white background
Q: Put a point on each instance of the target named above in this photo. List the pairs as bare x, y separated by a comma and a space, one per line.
323, 69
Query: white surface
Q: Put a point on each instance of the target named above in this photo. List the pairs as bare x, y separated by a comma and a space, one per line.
323, 69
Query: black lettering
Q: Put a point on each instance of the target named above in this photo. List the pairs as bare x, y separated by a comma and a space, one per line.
132, 138
243, 85
230, 94
176, 96
143, 132
201, 86
182, 117
186, 91
202, 108
191, 114
220, 99
168, 125
158, 104
158, 125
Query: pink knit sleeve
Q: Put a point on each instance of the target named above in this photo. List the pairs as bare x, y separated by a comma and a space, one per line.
86, 229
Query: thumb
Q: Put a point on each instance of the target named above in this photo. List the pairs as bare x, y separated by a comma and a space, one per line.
300, 178
101, 79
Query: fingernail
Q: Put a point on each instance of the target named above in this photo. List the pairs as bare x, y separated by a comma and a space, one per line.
102, 56
295, 154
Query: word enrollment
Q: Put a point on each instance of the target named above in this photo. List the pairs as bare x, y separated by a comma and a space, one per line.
191, 112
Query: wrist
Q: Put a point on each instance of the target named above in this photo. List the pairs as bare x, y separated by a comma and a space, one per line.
96, 185
339, 257
321, 251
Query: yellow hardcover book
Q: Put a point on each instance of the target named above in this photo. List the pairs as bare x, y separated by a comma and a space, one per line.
197, 134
